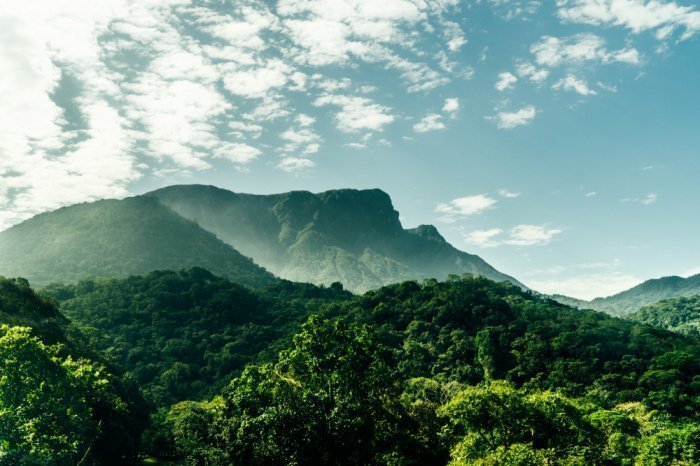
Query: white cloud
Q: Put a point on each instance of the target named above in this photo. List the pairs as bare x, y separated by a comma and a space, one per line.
483, 238
295, 164
508, 194
357, 113
531, 235
454, 35
304, 120
579, 50
649, 199
591, 194
506, 80
528, 70
646, 200
464, 206
243, 130
258, 81
636, 15
572, 83
237, 153
509, 120
430, 122
451, 106
520, 235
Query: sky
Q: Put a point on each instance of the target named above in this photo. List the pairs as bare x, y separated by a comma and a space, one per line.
558, 140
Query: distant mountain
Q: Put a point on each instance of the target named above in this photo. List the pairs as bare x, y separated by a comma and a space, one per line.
348, 236
649, 292
117, 238
681, 315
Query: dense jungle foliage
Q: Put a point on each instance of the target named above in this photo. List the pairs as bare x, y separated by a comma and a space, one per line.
680, 315
59, 402
466, 371
183, 335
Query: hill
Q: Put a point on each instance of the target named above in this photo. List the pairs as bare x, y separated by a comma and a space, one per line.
59, 402
117, 238
680, 315
184, 335
649, 292
348, 236
468, 370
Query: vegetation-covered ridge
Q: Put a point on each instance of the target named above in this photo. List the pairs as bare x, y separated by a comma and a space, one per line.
680, 315
644, 294
59, 403
467, 372
349, 236
184, 335
117, 238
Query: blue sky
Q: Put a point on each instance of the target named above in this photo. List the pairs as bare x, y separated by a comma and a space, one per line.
557, 140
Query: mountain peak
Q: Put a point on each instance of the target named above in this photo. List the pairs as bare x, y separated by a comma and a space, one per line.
352, 236
428, 232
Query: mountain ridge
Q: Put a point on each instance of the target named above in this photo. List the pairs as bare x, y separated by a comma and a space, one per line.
347, 235
116, 238
648, 292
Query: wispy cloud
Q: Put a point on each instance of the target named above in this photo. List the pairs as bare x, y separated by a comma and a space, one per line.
357, 113
510, 120
520, 235
637, 15
451, 106
646, 200
531, 235
506, 80
572, 83
464, 207
484, 238
578, 50
430, 122
508, 194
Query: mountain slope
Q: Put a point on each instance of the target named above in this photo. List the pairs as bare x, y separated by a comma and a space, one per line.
183, 335
59, 401
117, 238
354, 237
680, 315
649, 292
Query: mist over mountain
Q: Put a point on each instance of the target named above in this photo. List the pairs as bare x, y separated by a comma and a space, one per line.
117, 238
349, 236
649, 292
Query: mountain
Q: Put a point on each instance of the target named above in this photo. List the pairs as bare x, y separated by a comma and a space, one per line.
649, 292
183, 335
463, 372
680, 315
117, 238
348, 236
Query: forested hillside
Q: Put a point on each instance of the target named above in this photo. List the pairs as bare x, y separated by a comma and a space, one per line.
59, 403
469, 371
680, 315
349, 236
117, 238
184, 335
649, 292
466, 372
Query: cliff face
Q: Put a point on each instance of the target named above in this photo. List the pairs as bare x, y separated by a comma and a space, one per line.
351, 236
